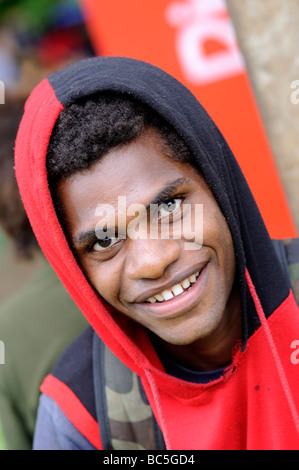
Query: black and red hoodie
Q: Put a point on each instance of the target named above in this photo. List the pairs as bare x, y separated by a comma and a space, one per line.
255, 403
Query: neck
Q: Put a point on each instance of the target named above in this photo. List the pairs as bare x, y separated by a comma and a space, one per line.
214, 351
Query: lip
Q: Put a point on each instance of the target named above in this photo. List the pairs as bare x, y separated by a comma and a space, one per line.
181, 303
175, 280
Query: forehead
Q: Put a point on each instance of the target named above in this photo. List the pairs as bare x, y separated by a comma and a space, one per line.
137, 171
126, 167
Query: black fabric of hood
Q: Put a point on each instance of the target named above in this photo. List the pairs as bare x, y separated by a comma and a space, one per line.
211, 154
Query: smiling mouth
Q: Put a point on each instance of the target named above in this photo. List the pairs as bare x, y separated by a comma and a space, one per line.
174, 291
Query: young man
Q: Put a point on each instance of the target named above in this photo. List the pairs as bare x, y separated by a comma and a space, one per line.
191, 328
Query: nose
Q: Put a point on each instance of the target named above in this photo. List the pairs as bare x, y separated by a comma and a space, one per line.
148, 259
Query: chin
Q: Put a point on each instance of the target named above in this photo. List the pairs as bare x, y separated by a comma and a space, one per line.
184, 335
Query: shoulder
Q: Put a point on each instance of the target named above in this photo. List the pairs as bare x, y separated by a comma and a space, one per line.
54, 431
68, 396
290, 254
75, 369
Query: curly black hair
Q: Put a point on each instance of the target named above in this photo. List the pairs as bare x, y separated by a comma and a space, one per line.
88, 129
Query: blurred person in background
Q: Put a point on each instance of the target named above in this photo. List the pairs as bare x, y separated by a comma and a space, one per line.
38, 319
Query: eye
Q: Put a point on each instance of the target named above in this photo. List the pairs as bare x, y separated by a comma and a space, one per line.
170, 207
105, 244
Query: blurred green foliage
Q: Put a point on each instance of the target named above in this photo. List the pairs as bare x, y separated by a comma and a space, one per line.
31, 13
2, 443
1, 238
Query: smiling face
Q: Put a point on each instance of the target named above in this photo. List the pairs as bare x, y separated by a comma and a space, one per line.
181, 295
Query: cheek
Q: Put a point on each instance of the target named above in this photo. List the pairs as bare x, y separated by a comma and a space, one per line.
227, 257
215, 230
216, 234
104, 280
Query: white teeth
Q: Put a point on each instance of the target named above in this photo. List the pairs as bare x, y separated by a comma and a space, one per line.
159, 297
167, 294
186, 283
177, 289
192, 278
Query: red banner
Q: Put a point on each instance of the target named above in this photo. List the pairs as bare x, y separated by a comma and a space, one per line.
194, 40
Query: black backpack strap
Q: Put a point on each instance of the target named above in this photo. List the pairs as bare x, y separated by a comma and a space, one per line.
125, 417
288, 254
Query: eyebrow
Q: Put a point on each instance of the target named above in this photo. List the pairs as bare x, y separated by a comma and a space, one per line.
84, 239
169, 189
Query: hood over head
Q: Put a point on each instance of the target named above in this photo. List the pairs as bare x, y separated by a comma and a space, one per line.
211, 154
